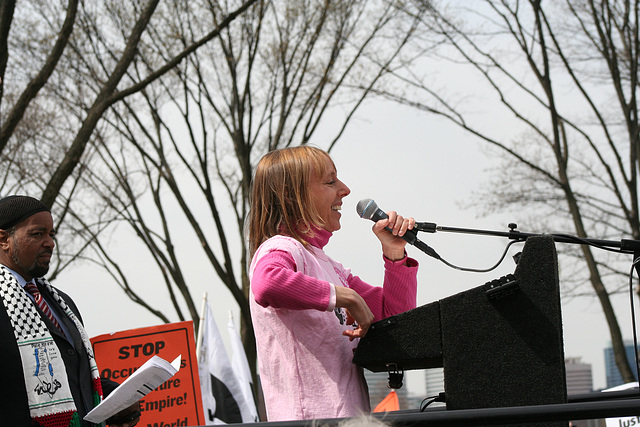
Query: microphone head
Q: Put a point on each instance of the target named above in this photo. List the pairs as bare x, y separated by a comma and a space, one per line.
366, 208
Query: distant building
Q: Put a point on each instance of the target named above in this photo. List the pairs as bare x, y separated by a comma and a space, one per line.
614, 378
434, 381
414, 401
434, 378
579, 376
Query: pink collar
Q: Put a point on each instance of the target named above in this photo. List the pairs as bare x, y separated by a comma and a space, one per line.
321, 238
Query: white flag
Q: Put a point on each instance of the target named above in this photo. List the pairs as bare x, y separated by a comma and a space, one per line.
222, 397
241, 368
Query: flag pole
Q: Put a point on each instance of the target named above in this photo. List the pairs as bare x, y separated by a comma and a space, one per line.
201, 325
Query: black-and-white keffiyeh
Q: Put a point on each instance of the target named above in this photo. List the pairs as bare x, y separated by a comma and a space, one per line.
50, 399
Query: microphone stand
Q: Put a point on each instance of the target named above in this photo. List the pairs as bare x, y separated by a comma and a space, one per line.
624, 245
627, 246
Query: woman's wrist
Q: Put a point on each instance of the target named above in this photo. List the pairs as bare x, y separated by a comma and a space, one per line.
395, 256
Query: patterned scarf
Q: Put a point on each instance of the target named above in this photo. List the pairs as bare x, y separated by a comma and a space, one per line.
50, 400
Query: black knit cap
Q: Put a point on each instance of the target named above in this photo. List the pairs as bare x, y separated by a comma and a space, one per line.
14, 209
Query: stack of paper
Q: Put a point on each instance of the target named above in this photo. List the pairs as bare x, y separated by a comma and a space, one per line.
148, 377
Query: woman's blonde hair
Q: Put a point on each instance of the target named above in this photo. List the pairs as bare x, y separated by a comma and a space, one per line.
280, 199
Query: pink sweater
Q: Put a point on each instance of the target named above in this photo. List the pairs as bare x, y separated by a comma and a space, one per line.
305, 361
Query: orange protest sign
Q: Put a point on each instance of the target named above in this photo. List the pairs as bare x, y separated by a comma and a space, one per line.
177, 402
389, 403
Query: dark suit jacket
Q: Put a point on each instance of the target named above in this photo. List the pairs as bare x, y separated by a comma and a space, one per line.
14, 409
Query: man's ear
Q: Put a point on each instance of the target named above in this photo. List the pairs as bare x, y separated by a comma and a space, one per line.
4, 240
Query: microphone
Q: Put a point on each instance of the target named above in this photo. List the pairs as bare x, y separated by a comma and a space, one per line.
368, 209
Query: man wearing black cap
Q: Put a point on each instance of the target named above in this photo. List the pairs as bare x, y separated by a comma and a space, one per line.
49, 375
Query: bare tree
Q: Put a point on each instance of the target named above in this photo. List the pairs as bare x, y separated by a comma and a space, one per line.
100, 81
63, 66
566, 74
153, 116
190, 141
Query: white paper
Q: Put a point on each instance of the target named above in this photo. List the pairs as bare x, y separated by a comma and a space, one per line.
148, 377
624, 421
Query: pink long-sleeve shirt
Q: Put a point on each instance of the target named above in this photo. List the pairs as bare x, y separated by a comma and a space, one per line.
305, 361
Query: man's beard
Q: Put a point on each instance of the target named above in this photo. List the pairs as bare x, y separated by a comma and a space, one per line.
34, 269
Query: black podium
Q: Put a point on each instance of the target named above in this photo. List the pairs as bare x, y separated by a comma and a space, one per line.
500, 343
